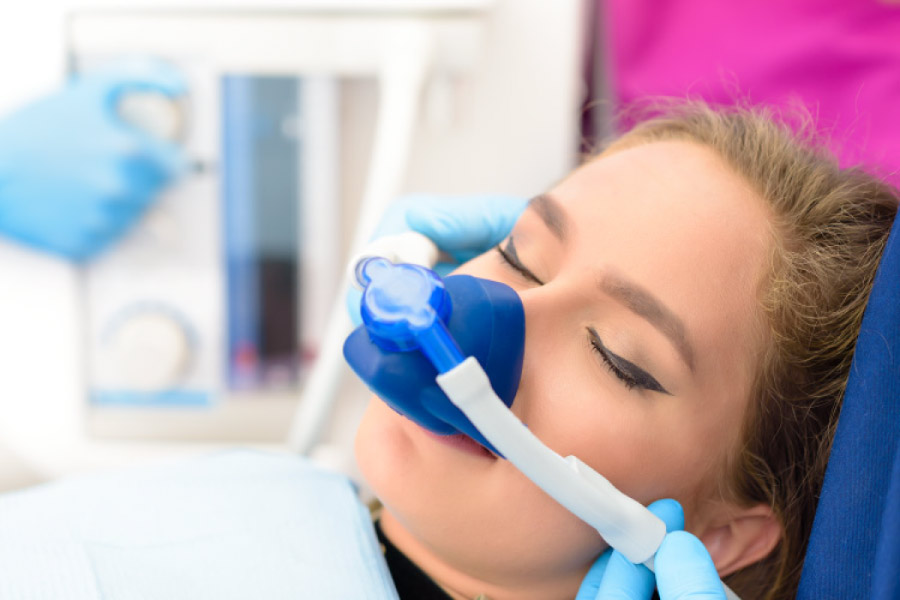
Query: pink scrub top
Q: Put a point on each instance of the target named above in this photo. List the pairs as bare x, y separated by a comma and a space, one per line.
839, 58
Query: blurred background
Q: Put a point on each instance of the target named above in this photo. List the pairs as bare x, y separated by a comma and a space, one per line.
300, 121
198, 328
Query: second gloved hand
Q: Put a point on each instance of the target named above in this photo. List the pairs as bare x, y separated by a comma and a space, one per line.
684, 569
73, 175
461, 226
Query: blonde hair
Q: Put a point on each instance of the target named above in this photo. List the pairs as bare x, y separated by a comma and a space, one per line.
830, 228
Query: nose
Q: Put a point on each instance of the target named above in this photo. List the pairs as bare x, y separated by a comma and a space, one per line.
546, 353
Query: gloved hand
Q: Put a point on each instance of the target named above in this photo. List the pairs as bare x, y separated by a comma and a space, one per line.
684, 569
462, 226
466, 226
73, 175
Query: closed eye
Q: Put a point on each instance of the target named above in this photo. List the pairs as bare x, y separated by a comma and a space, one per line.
511, 258
631, 375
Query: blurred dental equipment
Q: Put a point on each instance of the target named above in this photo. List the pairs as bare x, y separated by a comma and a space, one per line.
216, 319
205, 322
80, 166
406, 308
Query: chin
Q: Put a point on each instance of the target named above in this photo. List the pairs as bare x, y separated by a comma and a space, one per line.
425, 484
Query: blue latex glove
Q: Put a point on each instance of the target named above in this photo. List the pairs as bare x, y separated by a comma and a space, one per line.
466, 226
73, 176
684, 569
462, 227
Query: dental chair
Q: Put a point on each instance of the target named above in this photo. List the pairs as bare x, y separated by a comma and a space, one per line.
854, 550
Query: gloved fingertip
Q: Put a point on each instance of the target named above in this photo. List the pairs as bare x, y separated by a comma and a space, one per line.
453, 232
174, 160
591, 582
427, 221
685, 570
168, 159
683, 543
670, 512
624, 580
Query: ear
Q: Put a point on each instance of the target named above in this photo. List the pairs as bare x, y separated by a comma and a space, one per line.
741, 537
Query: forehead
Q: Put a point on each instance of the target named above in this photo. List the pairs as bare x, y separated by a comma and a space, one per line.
676, 219
663, 175
674, 196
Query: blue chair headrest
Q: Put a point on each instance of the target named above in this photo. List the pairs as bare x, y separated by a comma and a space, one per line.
854, 549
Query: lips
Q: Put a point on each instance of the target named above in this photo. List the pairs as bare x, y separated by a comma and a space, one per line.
462, 443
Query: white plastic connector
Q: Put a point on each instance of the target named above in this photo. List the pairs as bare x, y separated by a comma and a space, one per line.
407, 247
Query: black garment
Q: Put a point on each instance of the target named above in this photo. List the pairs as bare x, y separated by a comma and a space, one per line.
412, 583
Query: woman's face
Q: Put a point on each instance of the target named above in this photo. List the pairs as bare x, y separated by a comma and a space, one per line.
639, 275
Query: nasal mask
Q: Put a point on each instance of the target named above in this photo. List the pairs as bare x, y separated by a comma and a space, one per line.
447, 354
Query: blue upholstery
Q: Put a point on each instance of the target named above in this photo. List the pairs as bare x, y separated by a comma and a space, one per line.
887, 558
854, 550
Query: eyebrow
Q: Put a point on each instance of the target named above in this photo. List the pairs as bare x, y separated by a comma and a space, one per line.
551, 213
646, 305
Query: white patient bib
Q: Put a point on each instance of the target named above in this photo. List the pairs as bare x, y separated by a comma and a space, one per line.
240, 525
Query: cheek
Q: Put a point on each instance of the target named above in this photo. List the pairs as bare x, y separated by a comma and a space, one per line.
645, 446
381, 449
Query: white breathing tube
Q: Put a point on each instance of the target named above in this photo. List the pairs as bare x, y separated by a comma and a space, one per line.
626, 525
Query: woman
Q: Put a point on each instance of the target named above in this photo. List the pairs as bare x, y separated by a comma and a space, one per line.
692, 299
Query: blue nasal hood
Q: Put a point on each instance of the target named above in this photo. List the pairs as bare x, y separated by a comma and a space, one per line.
414, 320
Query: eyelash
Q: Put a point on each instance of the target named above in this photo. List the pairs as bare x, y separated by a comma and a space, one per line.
509, 260
517, 266
638, 379
627, 380
510, 257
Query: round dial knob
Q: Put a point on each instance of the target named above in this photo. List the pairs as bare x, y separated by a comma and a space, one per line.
148, 350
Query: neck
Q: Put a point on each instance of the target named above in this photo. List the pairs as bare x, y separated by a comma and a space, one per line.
463, 586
